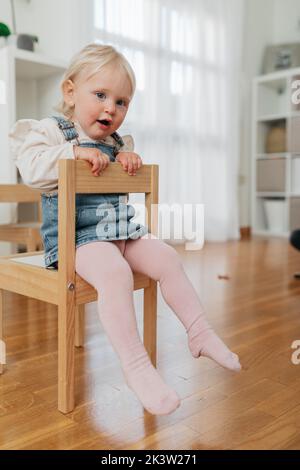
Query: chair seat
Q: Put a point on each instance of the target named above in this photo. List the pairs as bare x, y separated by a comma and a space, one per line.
32, 260
26, 274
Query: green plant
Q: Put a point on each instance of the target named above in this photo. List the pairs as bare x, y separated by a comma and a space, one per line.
4, 30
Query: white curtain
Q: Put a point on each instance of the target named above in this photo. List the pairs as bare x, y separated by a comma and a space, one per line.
185, 114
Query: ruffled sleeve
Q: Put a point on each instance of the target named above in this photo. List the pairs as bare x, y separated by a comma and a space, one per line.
128, 144
36, 147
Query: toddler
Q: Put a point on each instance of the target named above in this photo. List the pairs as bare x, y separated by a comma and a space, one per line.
96, 92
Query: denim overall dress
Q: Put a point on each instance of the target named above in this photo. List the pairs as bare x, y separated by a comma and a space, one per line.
98, 217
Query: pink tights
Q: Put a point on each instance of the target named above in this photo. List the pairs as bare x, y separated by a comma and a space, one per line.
108, 266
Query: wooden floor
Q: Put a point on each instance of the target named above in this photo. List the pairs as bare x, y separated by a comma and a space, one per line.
257, 313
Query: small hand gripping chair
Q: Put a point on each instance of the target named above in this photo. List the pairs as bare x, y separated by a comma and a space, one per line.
26, 274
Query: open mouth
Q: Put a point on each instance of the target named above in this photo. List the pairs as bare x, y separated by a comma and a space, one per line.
104, 122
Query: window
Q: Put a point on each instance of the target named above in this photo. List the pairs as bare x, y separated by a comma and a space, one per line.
177, 53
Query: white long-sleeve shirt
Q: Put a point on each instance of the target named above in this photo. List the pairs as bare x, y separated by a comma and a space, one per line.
37, 146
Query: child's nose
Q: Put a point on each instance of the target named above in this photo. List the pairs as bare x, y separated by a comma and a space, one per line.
110, 107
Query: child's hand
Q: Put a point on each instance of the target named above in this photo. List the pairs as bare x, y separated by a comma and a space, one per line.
98, 159
130, 161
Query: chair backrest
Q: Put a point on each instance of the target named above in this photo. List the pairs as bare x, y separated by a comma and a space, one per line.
75, 177
18, 193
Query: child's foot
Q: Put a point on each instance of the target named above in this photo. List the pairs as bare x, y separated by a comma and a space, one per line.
205, 342
154, 394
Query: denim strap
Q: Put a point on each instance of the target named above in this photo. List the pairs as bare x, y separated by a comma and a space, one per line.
68, 129
118, 139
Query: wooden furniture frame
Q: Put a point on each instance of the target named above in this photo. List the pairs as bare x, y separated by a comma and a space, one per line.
65, 288
25, 233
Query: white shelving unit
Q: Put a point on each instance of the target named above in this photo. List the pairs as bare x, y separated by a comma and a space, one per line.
275, 176
29, 88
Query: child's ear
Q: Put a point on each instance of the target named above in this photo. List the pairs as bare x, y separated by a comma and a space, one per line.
68, 92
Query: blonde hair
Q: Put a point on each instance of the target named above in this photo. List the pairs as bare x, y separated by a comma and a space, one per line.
93, 56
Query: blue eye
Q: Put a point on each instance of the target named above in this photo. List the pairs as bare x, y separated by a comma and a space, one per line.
121, 103
101, 96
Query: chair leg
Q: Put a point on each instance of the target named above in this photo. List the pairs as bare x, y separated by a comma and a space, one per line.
2, 344
66, 340
150, 320
79, 326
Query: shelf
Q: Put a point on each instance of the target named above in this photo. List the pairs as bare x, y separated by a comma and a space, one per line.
275, 175
30, 56
270, 156
267, 194
272, 100
32, 65
279, 75
271, 139
273, 117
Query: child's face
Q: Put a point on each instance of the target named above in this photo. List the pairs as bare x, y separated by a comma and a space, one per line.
101, 101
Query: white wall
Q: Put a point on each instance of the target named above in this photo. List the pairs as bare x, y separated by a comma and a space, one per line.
59, 24
286, 21
259, 24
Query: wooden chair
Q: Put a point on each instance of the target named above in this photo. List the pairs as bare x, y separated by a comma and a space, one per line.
25, 233
64, 287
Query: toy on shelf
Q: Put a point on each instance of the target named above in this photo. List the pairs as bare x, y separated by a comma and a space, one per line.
4, 33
